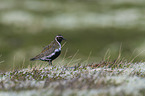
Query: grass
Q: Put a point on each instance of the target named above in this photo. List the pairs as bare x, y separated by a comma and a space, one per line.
26, 26
107, 78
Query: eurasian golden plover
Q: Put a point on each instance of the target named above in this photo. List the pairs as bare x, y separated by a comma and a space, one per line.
50, 52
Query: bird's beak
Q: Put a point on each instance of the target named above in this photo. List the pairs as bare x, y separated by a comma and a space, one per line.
64, 39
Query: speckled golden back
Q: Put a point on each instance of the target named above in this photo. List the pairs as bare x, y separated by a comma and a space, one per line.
48, 49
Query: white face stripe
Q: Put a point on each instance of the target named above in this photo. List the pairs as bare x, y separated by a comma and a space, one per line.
58, 42
59, 36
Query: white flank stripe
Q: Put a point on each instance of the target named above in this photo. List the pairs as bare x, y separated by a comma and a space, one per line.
56, 50
46, 57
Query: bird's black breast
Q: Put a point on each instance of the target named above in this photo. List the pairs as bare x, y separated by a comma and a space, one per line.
55, 55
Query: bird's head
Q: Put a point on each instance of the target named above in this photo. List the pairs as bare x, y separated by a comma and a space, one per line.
59, 38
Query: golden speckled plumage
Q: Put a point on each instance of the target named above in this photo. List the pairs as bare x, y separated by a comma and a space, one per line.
51, 51
48, 49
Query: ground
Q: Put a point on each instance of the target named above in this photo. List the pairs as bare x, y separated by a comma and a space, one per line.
104, 79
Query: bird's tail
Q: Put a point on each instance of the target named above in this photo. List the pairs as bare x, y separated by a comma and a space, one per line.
32, 59
36, 57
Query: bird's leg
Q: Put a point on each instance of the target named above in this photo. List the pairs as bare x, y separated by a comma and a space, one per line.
50, 62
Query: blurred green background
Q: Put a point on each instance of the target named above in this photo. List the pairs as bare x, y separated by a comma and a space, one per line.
90, 26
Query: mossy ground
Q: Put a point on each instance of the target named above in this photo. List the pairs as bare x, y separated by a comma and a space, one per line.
109, 79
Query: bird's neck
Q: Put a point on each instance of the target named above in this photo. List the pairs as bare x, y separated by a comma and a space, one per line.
58, 43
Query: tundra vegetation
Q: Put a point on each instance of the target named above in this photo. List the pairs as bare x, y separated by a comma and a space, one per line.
104, 53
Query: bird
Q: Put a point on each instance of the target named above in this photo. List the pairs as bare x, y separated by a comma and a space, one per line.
51, 51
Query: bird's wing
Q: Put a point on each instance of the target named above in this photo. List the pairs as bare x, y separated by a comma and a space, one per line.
47, 50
